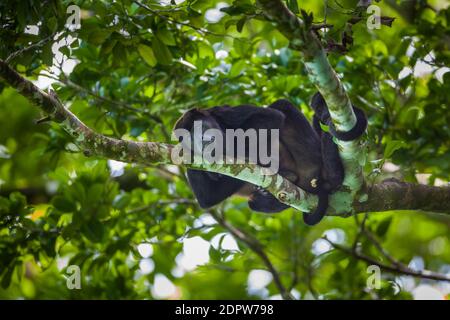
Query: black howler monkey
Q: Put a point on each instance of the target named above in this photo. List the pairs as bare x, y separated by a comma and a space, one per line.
308, 157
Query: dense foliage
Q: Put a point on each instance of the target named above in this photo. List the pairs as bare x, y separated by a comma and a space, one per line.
130, 71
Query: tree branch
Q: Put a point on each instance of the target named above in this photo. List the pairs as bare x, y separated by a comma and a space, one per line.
303, 38
92, 143
393, 194
257, 248
115, 103
388, 195
148, 153
398, 269
32, 46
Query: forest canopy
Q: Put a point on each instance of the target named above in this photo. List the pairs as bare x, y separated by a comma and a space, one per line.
82, 81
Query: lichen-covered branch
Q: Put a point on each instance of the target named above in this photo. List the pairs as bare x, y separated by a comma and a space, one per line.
322, 75
257, 248
89, 141
389, 195
147, 153
393, 194
394, 268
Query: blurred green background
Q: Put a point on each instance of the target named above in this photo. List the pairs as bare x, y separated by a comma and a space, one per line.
136, 232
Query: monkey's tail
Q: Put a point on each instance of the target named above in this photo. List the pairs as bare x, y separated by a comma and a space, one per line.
315, 217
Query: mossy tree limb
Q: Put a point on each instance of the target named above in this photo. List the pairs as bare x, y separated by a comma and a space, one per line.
389, 195
303, 38
95, 144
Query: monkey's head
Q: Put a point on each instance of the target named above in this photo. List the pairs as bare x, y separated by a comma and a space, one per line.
197, 122
186, 121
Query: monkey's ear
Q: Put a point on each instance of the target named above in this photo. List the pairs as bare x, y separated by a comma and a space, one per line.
187, 119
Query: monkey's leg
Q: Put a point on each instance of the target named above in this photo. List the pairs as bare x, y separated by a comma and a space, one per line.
212, 188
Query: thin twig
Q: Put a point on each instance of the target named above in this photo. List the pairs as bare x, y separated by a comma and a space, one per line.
32, 46
254, 245
383, 251
202, 31
309, 279
362, 227
400, 269
116, 103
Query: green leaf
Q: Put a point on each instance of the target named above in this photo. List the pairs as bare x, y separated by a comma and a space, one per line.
52, 24
119, 54
147, 54
392, 146
122, 201
4, 152
214, 254
333, 257
107, 47
6, 279
383, 226
205, 50
324, 127
47, 54
93, 230
237, 68
293, 6
166, 37
63, 204
380, 47
65, 51
94, 193
240, 24
161, 51
307, 17
98, 36
239, 7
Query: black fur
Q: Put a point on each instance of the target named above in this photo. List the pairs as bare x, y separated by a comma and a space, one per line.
308, 156
323, 115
